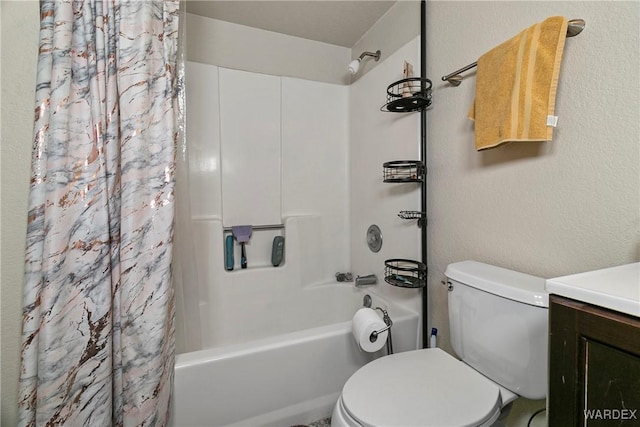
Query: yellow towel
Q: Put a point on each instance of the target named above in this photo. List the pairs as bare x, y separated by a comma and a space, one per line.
516, 86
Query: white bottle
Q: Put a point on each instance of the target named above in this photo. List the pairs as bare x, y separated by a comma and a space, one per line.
432, 340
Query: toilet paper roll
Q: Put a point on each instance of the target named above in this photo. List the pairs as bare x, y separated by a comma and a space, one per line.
364, 322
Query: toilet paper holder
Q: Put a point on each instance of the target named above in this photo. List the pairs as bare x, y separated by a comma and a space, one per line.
374, 335
387, 321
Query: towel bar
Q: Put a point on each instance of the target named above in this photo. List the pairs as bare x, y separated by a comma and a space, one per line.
574, 27
260, 227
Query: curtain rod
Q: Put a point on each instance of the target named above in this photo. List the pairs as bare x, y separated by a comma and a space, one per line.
574, 27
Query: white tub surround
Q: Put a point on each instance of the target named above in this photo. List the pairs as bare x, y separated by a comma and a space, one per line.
263, 150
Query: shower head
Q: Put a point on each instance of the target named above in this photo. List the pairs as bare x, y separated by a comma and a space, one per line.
354, 65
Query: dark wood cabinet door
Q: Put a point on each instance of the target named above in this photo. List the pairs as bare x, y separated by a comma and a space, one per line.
594, 366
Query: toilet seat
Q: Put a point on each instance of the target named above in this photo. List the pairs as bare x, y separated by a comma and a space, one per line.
420, 388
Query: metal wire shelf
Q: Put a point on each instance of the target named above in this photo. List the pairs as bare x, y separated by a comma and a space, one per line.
407, 95
403, 171
410, 215
405, 273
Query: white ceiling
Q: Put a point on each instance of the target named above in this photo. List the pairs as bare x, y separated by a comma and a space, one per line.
338, 22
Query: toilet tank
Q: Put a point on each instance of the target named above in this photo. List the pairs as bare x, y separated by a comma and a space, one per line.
498, 321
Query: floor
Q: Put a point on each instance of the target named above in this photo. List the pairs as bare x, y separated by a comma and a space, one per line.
519, 416
522, 411
325, 422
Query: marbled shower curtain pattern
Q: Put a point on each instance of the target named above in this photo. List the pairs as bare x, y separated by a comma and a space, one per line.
98, 328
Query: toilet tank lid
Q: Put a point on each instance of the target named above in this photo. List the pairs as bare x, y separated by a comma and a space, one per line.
500, 281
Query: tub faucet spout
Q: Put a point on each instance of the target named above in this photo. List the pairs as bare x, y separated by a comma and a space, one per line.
368, 280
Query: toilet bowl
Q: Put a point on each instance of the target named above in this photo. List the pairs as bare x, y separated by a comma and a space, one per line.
498, 321
418, 388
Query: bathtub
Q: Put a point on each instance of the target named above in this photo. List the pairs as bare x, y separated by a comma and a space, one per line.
290, 378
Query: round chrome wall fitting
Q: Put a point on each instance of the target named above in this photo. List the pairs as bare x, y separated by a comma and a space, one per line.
374, 238
366, 301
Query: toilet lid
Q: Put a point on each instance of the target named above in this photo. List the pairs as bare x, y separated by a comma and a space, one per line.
420, 388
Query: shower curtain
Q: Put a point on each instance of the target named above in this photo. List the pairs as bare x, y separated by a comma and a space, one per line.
186, 276
98, 328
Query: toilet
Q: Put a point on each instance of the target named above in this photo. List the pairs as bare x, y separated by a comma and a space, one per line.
498, 322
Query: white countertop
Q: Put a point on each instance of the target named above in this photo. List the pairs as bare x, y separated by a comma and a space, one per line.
615, 288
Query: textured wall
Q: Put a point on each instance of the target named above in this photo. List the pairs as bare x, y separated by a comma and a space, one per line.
20, 26
546, 209
215, 42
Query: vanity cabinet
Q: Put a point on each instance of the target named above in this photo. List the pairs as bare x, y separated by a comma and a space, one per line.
594, 365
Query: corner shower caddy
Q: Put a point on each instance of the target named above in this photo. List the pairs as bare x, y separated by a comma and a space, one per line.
404, 96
